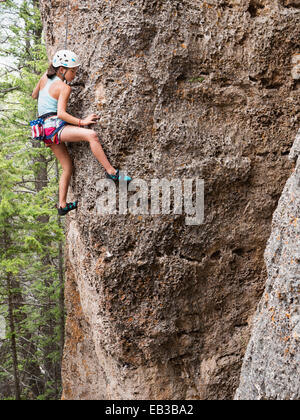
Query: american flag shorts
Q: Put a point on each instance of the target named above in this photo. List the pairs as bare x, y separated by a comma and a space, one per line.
47, 130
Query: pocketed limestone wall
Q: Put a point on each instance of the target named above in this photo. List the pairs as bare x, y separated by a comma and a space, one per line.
185, 90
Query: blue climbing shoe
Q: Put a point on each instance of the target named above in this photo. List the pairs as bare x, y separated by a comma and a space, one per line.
62, 211
118, 177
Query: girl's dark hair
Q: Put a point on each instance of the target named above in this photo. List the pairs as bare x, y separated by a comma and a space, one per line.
51, 72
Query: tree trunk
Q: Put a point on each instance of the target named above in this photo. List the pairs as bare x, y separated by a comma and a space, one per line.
13, 345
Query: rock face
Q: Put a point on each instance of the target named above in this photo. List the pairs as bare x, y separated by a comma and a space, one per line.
185, 90
271, 369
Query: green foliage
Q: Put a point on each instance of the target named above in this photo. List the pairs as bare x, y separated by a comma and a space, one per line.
196, 79
30, 232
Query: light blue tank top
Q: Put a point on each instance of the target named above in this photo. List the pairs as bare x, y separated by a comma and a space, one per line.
45, 102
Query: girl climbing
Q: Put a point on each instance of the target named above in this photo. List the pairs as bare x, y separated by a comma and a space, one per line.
55, 126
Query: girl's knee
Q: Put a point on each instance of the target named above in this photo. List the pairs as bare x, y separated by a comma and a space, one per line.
93, 136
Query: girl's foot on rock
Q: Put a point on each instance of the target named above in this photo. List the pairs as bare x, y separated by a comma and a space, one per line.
62, 211
118, 176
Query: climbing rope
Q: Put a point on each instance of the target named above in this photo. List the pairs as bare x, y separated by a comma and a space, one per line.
67, 25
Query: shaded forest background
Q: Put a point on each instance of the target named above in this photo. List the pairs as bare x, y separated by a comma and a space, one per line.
31, 235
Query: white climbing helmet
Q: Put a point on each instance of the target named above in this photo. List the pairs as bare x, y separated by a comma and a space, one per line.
65, 58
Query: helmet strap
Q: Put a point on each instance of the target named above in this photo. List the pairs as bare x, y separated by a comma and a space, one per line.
63, 75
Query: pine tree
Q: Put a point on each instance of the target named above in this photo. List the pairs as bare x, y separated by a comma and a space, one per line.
31, 237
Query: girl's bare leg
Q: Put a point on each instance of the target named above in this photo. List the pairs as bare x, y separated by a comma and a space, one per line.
63, 156
74, 134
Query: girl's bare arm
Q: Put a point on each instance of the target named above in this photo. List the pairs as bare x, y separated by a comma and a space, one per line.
35, 92
62, 106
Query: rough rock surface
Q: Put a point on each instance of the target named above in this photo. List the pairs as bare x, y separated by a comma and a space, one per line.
271, 369
185, 89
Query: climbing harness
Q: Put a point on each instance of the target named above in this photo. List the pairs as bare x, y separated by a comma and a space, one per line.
37, 126
42, 132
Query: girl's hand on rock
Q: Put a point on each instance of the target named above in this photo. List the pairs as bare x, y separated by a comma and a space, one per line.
91, 119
